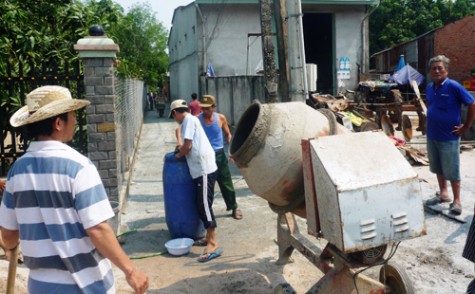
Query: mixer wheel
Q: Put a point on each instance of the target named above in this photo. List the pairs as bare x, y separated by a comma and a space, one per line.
396, 279
284, 288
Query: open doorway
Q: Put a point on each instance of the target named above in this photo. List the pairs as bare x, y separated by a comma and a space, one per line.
318, 38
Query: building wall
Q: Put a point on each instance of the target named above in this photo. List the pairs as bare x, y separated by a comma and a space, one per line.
348, 42
184, 53
457, 42
234, 94
227, 27
219, 35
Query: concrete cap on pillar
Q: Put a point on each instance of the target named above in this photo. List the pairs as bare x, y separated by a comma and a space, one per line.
97, 45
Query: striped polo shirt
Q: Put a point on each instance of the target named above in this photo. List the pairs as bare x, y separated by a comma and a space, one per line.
53, 194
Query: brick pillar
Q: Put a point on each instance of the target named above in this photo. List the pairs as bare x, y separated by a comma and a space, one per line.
98, 55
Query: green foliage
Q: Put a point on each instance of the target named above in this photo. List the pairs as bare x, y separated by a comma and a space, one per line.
142, 40
37, 36
397, 21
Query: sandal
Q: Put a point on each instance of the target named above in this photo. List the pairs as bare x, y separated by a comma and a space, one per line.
436, 200
207, 256
455, 209
237, 214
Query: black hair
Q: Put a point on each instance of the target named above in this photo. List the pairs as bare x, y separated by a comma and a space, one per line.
44, 127
194, 96
181, 109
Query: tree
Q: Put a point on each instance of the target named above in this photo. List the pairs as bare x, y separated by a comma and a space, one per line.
397, 21
142, 40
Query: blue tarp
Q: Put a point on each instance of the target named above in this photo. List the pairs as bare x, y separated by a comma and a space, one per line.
401, 63
406, 74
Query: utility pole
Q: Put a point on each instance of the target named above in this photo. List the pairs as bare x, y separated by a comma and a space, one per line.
268, 53
298, 72
280, 13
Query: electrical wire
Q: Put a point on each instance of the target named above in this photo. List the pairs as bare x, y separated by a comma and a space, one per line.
384, 261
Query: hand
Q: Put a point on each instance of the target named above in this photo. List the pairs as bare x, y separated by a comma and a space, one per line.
231, 159
2, 185
137, 280
459, 130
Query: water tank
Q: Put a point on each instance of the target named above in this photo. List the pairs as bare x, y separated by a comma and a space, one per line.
181, 212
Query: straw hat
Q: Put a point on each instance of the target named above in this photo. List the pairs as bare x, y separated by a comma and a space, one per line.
207, 101
180, 103
45, 102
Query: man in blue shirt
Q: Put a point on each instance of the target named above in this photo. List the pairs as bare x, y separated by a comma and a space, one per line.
445, 98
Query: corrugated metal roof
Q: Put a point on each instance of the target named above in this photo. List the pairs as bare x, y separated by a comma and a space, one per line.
335, 2
406, 42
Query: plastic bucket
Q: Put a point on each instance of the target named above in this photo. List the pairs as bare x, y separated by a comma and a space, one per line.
181, 212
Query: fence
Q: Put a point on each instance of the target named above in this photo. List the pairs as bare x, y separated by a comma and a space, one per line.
129, 110
19, 80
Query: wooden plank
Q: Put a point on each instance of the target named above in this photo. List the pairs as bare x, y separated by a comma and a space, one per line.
438, 209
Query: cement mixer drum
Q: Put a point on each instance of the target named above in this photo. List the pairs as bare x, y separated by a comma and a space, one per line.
266, 148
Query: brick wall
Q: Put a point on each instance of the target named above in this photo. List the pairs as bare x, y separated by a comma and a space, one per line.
457, 42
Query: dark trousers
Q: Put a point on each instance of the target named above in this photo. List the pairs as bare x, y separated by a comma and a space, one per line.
471, 287
204, 186
225, 180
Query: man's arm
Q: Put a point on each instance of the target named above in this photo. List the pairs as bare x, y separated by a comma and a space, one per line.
184, 149
459, 130
105, 241
10, 239
179, 140
224, 126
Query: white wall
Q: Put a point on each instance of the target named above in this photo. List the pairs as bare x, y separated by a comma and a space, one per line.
184, 53
227, 28
348, 42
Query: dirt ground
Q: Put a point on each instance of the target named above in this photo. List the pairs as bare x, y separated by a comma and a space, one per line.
248, 264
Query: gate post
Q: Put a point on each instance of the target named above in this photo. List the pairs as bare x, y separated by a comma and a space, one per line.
98, 54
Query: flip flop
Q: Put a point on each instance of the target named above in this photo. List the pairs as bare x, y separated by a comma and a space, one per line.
455, 209
436, 200
237, 214
207, 256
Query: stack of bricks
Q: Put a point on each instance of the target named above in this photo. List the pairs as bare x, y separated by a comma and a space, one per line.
99, 83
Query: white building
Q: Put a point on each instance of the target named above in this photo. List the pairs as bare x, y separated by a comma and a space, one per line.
226, 34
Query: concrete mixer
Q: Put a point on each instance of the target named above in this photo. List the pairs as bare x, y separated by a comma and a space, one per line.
356, 190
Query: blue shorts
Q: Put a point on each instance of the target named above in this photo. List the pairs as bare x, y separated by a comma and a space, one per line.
444, 158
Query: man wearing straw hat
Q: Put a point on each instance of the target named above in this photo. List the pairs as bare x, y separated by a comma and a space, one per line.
56, 205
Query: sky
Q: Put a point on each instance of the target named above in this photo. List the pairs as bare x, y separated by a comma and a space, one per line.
163, 8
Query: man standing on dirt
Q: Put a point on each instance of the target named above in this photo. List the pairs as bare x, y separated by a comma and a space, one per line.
445, 98
56, 204
214, 125
201, 163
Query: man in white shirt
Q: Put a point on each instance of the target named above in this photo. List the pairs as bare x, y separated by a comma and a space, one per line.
201, 161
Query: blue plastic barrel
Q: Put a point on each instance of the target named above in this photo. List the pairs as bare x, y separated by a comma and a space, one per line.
181, 212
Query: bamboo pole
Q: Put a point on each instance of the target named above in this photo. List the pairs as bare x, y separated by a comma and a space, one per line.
12, 271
